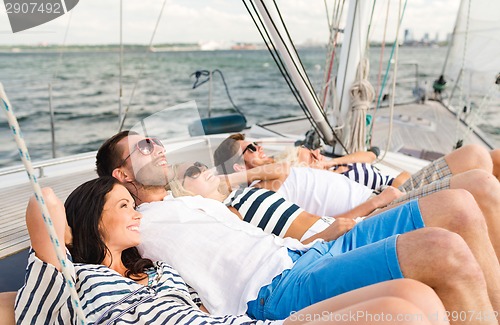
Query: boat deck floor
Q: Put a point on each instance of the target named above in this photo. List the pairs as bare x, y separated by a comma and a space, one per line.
424, 131
13, 201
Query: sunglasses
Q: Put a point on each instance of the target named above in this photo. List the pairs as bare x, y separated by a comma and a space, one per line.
145, 146
311, 153
194, 171
252, 147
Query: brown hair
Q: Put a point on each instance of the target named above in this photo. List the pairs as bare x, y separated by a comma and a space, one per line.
109, 156
227, 154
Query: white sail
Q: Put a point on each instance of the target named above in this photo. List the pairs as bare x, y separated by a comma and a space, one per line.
475, 52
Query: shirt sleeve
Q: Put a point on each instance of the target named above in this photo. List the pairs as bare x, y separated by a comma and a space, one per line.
43, 299
194, 296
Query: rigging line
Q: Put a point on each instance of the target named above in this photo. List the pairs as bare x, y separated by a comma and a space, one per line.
279, 63
386, 75
277, 59
478, 112
305, 78
367, 43
61, 53
453, 35
396, 42
382, 49
326, 11
142, 68
302, 71
333, 50
120, 64
462, 100
54, 75
303, 75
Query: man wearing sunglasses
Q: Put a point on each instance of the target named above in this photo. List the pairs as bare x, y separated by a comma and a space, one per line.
237, 268
325, 193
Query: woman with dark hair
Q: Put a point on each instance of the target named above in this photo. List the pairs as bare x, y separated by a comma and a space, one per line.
116, 285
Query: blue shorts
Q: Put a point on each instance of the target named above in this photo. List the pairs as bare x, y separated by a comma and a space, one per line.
361, 257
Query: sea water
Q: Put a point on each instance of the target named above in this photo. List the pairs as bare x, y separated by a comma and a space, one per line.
85, 91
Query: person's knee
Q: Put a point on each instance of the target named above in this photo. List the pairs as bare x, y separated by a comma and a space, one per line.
462, 210
478, 156
413, 291
452, 256
432, 252
481, 184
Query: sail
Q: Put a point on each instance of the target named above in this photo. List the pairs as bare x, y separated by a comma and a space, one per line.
474, 55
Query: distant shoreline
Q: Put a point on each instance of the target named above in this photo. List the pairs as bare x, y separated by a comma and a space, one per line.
174, 47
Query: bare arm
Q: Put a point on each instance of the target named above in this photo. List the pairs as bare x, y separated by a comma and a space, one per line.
383, 199
334, 231
277, 171
40, 240
357, 157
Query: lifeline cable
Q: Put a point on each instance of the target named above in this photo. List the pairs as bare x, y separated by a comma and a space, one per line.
25, 157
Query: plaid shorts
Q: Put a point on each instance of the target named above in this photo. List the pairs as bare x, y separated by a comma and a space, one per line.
425, 190
435, 171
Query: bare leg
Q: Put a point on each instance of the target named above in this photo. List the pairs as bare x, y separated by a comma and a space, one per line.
7, 307
385, 310
469, 157
459, 161
457, 211
401, 178
442, 260
411, 297
486, 191
495, 157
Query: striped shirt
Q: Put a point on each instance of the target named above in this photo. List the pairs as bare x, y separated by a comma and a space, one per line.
367, 175
106, 296
265, 209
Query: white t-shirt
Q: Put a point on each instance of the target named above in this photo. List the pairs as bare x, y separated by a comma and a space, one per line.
322, 192
224, 259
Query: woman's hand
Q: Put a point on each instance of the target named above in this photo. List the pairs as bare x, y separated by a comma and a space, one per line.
40, 240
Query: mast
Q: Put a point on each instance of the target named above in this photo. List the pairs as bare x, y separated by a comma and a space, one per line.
298, 75
353, 50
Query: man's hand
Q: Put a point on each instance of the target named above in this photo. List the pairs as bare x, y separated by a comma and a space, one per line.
387, 196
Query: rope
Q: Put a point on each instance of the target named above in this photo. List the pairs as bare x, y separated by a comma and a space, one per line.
479, 111
25, 157
395, 47
379, 71
362, 94
462, 100
141, 69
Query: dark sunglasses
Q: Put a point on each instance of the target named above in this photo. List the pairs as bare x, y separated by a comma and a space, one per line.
194, 171
252, 147
311, 152
145, 146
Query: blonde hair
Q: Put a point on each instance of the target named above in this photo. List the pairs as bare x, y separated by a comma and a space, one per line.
178, 190
290, 155
176, 183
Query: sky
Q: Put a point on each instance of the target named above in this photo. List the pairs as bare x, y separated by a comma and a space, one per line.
224, 21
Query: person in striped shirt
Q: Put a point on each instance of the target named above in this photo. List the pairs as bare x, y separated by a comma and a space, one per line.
117, 286
356, 166
471, 168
